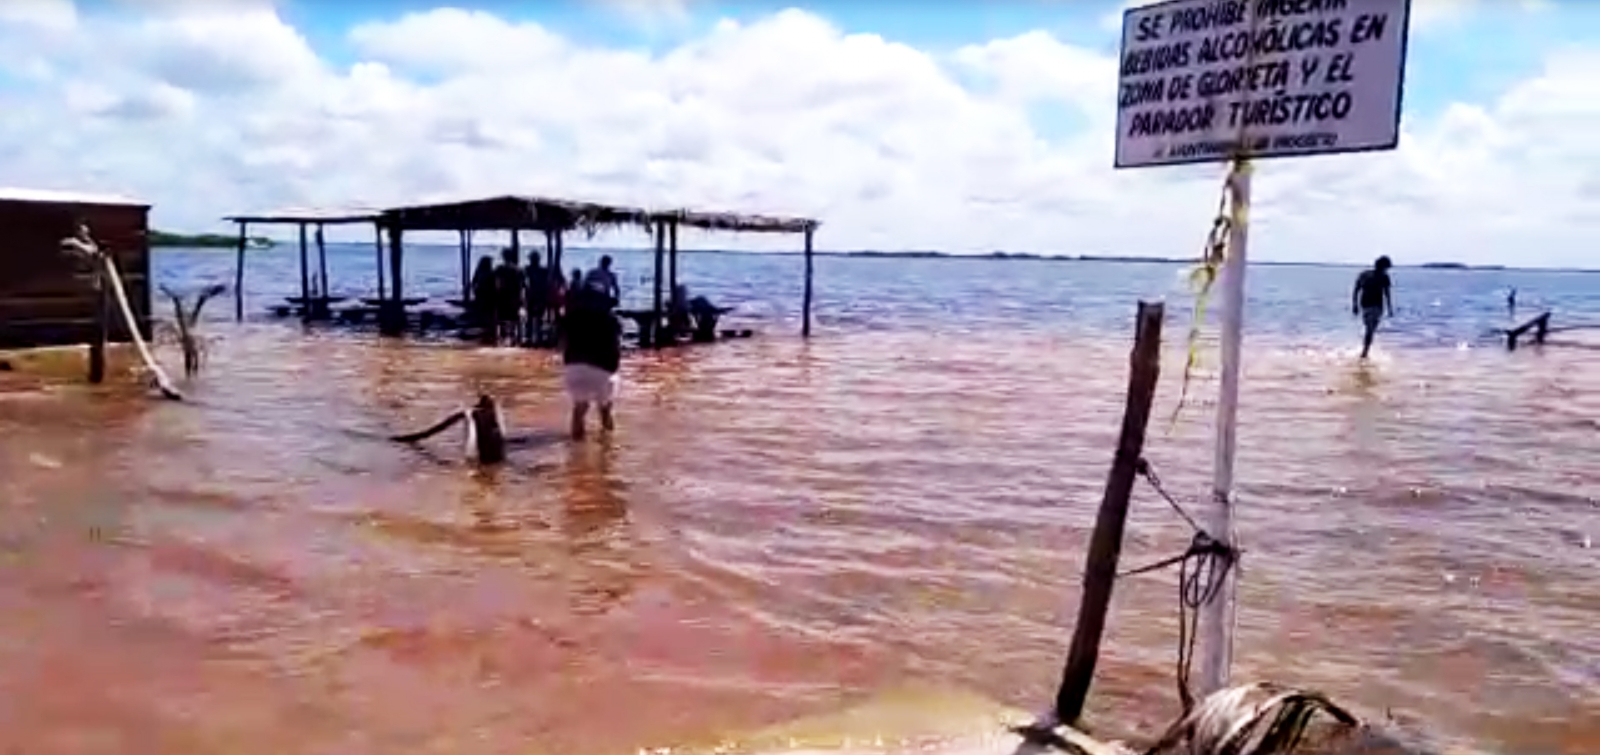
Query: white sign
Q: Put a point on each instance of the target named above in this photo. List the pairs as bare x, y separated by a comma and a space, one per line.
1207, 80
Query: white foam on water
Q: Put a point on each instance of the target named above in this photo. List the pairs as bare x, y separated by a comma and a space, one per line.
927, 721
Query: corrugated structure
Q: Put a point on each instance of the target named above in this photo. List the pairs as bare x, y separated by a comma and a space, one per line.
47, 297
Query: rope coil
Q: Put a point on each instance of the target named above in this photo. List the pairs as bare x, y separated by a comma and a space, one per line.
1202, 571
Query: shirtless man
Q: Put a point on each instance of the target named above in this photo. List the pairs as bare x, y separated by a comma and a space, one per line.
1370, 299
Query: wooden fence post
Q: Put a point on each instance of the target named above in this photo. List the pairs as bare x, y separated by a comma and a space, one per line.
1105, 547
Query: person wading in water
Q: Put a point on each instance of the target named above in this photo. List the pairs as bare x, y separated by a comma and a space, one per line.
592, 353
1371, 298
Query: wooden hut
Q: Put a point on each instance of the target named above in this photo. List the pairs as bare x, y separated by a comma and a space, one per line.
313, 300
554, 218
47, 296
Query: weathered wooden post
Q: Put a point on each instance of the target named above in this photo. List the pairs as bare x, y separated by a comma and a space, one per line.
672, 257
377, 250
1105, 547
102, 326
487, 431
392, 316
805, 302
238, 272
653, 337
305, 276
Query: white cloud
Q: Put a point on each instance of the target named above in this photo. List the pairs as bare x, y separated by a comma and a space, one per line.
208, 109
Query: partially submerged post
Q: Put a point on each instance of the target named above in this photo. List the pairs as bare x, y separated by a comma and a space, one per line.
392, 315
305, 276
805, 304
672, 256
322, 268
653, 337
1100, 570
102, 327
238, 272
377, 256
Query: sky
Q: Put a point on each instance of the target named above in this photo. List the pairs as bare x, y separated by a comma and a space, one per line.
959, 126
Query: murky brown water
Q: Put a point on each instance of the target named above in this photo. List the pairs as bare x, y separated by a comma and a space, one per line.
778, 529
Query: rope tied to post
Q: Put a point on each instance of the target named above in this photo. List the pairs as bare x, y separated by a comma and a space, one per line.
1232, 212
1202, 570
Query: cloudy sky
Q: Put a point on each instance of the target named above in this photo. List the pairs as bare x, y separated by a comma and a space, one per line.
963, 126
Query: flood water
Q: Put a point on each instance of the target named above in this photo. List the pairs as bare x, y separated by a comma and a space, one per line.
781, 527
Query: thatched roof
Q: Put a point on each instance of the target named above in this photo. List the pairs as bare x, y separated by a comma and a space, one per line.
738, 223
308, 216
512, 212
506, 213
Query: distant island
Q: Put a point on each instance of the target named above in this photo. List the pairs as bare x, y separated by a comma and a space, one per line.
204, 240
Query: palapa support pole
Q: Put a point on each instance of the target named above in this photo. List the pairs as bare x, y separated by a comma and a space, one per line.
805, 302
238, 273
1217, 618
550, 251
672, 257
561, 251
465, 254
305, 276
377, 247
655, 312
322, 265
392, 318
1105, 547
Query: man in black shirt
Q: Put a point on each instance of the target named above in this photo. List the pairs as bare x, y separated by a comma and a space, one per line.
536, 298
592, 353
1371, 298
508, 296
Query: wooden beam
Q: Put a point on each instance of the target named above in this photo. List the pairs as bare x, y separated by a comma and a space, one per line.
1105, 547
805, 303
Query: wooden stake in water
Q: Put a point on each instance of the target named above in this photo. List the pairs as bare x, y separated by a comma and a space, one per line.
1105, 546
1217, 618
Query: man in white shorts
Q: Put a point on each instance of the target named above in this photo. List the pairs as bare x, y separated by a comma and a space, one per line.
592, 354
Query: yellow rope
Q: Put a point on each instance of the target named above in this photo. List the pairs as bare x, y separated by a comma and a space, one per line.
1231, 213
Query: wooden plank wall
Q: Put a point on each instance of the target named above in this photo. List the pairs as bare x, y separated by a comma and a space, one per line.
46, 295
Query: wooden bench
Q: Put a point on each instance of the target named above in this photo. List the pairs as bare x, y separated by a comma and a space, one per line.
1539, 325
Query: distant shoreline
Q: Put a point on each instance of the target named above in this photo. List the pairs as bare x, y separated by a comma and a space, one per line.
169, 240
231, 242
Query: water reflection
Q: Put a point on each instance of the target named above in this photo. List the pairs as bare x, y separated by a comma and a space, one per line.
596, 530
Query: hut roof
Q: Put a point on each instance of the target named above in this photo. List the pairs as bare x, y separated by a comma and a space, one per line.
308, 215
505, 213
50, 196
737, 222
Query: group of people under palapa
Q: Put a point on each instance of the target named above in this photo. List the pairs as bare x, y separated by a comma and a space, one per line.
528, 305
533, 305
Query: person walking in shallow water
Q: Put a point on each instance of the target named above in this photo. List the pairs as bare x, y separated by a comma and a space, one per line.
1371, 299
592, 353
